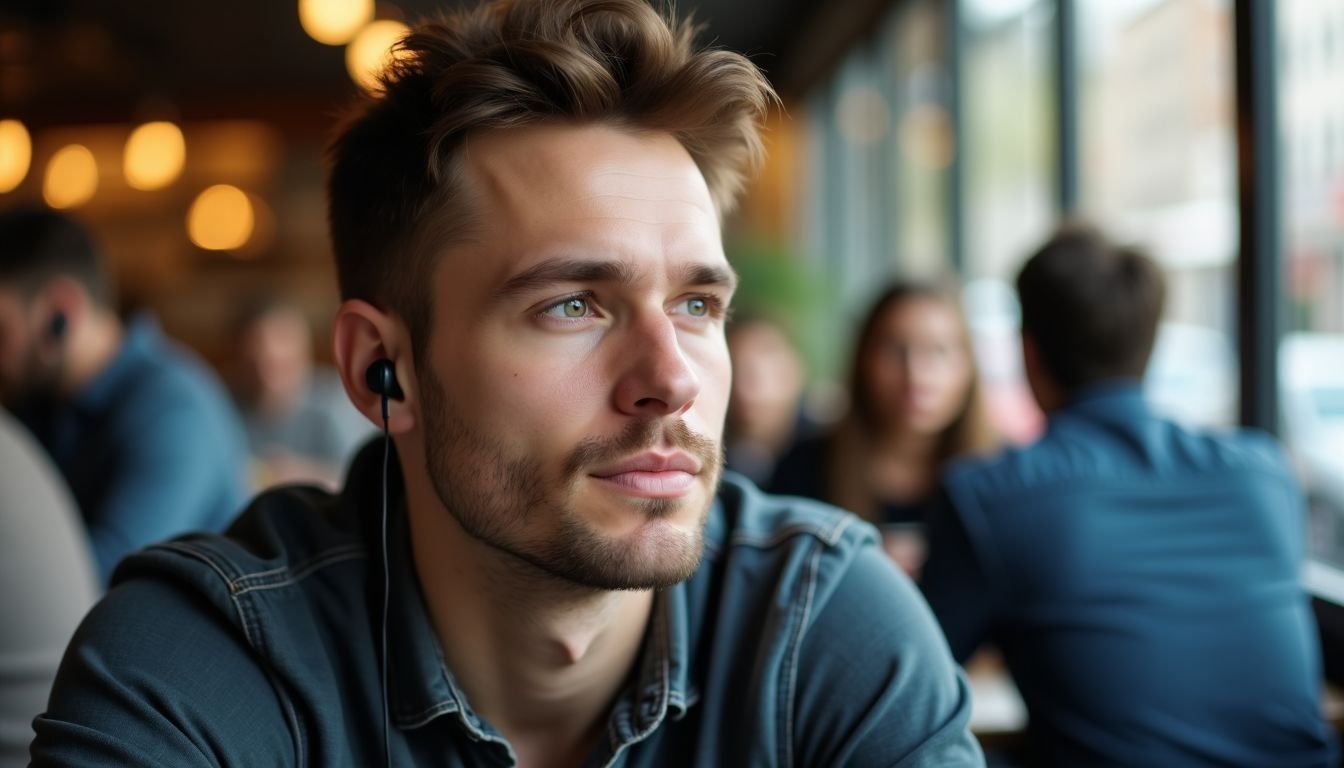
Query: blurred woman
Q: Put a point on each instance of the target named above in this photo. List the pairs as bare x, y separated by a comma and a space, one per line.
914, 405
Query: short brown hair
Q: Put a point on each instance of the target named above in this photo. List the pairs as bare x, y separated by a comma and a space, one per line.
395, 185
1091, 306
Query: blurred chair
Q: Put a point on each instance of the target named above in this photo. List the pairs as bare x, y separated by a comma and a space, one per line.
49, 578
300, 425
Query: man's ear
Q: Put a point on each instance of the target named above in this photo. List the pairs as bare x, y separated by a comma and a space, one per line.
364, 334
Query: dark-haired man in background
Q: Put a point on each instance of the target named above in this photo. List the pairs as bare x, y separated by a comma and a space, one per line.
142, 431
1141, 580
526, 220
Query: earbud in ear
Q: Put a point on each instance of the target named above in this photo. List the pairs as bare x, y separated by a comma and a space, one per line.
382, 378
56, 327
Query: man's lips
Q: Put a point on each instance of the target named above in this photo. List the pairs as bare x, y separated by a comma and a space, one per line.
652, 475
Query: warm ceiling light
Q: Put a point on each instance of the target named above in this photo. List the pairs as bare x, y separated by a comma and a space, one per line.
155, 154
16, 154
371, 51
334, 22
72, 177
220, 219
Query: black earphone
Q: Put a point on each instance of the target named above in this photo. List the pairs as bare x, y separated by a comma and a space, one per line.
57, 325
382, 379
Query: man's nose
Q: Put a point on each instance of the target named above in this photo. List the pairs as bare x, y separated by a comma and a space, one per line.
656, 378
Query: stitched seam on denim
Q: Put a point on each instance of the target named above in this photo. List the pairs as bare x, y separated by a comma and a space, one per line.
796, 645
297, 572
664, 674
309, 569
204, 555
244, 622
839, 528
246, 613
420, 718
788, 532
481, 735
261, 575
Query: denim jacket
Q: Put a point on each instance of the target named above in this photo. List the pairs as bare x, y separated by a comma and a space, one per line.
795, 644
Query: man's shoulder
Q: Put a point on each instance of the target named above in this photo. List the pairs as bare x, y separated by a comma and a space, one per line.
286, 537
789, 545
755, 519
1152, 453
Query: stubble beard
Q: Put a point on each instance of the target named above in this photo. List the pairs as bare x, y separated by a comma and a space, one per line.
494, 495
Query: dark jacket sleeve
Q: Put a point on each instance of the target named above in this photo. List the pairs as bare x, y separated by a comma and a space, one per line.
955, 583
156, 677
876, 685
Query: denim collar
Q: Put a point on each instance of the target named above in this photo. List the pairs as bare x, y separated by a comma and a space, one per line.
143, 337
421, 687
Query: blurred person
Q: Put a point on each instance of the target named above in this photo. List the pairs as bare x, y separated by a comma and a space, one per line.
526, 221
50, 580
141, 430
914, 405
764, 413
300, 425
1141, 580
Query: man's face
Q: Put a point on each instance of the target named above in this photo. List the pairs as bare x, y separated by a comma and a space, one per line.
577, 376
26, 372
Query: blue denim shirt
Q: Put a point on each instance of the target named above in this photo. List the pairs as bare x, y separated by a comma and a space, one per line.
151, 448
1142, 582
795, 644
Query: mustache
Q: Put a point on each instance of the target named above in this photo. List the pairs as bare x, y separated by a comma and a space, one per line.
641, 436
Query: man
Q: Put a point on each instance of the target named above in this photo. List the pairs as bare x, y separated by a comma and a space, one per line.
1141, 580
141, 430
526, 223
765, 416
300, 425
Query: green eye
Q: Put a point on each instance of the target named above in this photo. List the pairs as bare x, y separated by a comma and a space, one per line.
697, 307
575, 308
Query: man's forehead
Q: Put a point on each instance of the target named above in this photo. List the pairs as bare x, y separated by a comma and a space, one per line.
566, 168
590, 192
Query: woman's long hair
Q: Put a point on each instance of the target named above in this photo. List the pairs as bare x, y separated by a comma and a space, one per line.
851, 443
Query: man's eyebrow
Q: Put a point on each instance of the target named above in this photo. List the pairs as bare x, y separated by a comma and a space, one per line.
554, 271
709, 274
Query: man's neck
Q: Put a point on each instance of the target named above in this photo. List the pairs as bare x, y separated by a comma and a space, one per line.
540, 659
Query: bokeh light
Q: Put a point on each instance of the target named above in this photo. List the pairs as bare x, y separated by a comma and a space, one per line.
16, 154
155, 155
334, 22
371, 51
221, 218
72, 177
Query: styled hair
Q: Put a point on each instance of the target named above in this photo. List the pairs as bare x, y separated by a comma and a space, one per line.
969, 433
1091, 306
396, 187
38, 245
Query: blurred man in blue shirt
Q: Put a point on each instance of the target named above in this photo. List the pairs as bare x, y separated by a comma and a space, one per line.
1141, 579
143, 432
